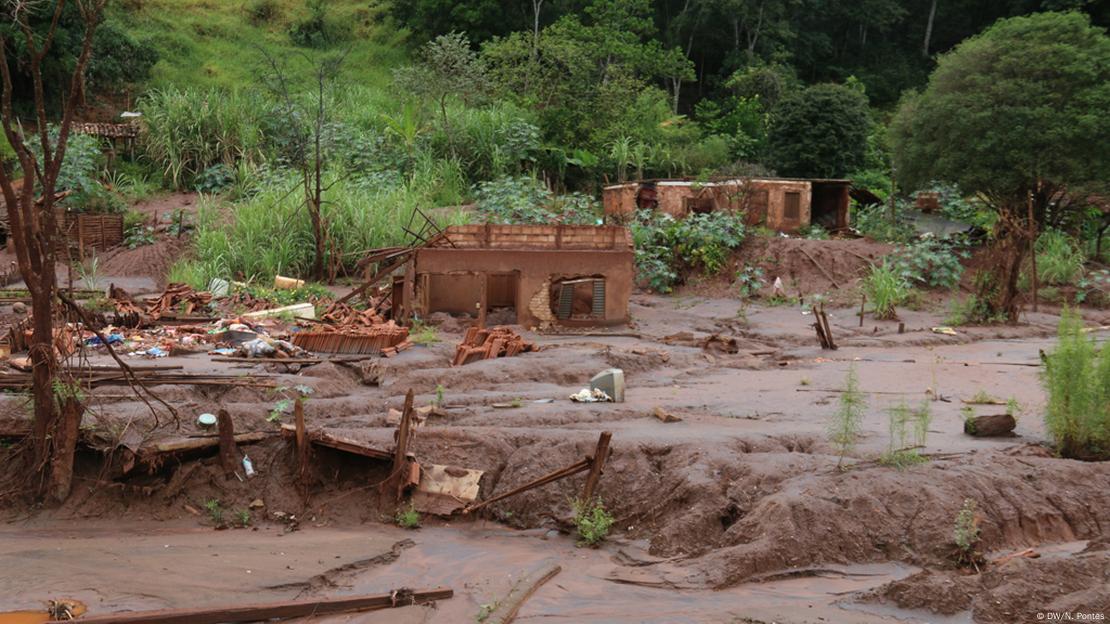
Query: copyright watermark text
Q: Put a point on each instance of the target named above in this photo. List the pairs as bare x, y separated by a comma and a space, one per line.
1070, 616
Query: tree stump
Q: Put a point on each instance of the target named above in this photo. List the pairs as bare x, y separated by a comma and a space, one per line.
990, 426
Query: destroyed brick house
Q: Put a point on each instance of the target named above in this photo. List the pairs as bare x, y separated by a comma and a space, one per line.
569, 275
782, 204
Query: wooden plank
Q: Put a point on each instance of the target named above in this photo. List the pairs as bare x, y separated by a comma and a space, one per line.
302, 446
506, 610
321, 438
597, 463
275, 610
201, 442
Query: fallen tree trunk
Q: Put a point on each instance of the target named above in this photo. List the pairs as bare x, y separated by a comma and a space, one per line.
275, 610
992, 425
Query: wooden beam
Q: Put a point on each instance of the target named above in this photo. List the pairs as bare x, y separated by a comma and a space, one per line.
275, 610
597, 463
230, 457
401, 451
506, 609
551, 477
302, 447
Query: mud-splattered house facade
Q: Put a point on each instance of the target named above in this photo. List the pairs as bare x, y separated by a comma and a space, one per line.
549, 274
779, 203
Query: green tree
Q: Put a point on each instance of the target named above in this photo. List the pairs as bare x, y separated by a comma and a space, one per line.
1017, 114
820, 131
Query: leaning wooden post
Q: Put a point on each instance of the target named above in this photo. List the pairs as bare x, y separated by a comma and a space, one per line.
229, 451
862, 305
597, 463
400, 454
302, 446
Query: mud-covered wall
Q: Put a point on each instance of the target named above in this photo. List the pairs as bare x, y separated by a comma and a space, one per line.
536, 270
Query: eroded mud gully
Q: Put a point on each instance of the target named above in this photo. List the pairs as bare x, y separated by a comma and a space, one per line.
735, 511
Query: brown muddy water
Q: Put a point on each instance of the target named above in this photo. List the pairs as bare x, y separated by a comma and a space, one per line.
117, 567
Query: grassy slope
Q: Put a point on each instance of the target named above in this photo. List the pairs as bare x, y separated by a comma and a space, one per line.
212, 43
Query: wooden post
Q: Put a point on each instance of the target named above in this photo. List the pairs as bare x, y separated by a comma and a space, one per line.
230, 457
597, 463
862, 305
483, 299
302, 447
400, 453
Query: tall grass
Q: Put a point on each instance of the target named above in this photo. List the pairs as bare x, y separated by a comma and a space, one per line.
1076, 378
188, 131
1059, 259
269, 233
847, 422
885, 288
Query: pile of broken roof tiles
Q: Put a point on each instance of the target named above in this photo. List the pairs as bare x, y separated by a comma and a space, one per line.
486, 344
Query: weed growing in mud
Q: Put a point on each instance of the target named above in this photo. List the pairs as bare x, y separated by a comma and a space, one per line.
243, 518
885, 288
215, 511
982, 397
750, 280
844, 430
1013, 408
908, 431
422, 334
592, 521
966, 535
486, 610
279, 410
968, 413
440, 390
408, 518
1076, 377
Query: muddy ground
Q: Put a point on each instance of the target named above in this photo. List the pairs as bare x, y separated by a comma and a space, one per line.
735, 513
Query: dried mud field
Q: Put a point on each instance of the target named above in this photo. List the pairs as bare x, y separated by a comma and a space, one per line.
737, 512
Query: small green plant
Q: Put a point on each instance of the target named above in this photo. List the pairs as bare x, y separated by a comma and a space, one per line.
408, 517
966, 535
422, 334
847, 421
813, 231
592, 521
1076, 377
89, 272
1013, 408
908, 430
486, 610
804, 381
215, 511
243, 518
931, 263
982, 397
517, 402
749, 280
278, 411
885, 289
968, 414
440, 390
139, 236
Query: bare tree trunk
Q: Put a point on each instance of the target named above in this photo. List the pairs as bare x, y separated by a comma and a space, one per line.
537, 6
929, 28
35, 233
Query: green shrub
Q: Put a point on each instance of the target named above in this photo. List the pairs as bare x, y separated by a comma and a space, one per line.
1076, 378
667, 247
592, 521
966, 535
932, 263
885, 288
847, 421
874, 222
526, 200
317, 29
263, 11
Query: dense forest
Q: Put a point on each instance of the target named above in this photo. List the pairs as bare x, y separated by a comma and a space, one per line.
528, 108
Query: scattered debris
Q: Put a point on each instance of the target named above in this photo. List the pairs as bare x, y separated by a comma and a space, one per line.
821, 324
486, 344
947, 331
445, 489
505, 610
610, 382
717, 343
664, 415
176, 297
585, 395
